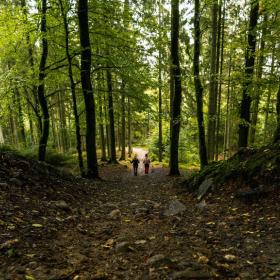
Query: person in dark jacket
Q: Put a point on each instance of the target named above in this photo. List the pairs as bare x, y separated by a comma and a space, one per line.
135, 163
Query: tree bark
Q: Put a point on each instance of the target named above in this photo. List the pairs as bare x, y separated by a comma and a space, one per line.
277, 132
122, 121
221, 36
160, 146
129, 124
73, 91
212, 104
198, 87
41, 87
113, 157
268, 97
92, 171
177, 99
257, 96
249, 69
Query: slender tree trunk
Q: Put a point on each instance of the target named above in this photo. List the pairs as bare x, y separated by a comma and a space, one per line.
277, 132
226, 133
268, 97
92, 171
113, 158
73, 91
101, 119
36, 105
212, 105
122, 121
129, 127
41, 87
107, 129
177, 99
257, 96
31, 127
198, 87
62, 124
160, 146
249, 69
20, 118
220, 72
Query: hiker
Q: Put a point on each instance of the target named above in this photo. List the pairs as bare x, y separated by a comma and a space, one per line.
135, 163
146, 162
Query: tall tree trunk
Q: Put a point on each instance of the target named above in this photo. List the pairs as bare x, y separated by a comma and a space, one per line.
20, 118
41, 87
212, 104
198, 87
221, 33
62, 124
277, 132
101, 118
257, 96
107, 129
36, 105
160, 146
268, 97
177, 99
73, 91
227, 121
129, 124
249, 70
92, 171
113, 157
122, 121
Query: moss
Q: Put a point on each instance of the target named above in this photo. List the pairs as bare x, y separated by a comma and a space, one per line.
246, 165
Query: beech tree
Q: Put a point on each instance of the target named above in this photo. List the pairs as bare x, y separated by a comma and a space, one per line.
92, 171
177, 98
249, 69
198, 86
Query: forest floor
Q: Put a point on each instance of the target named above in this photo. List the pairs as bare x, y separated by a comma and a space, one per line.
54, 226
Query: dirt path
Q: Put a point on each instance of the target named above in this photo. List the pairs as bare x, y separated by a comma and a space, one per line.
127, 227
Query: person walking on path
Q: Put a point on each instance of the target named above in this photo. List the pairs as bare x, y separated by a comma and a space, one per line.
146, 162
135, 163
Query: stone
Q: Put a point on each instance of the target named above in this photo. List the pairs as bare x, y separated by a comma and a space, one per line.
192, 274
61, 204
122, 247
204, 187
201, 205
155, 259
115, 214
175, 207
16, 182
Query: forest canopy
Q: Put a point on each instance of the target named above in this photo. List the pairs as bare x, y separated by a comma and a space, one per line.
193, 81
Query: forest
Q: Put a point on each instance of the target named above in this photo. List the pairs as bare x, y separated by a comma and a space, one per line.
88, 85
212, 74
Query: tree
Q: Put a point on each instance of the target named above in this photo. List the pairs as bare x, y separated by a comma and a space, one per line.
212, 104
41, 87
73, 89
92, 171
198, 87
277, 132
249, 70
177, 98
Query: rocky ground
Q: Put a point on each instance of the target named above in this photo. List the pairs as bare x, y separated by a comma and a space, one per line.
56, 226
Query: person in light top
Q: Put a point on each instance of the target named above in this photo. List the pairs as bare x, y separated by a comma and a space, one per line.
146, 162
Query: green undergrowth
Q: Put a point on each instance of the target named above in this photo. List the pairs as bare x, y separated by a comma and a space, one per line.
250, 166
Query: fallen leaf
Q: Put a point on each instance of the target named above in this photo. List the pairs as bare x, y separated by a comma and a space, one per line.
203, 259
37, 225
